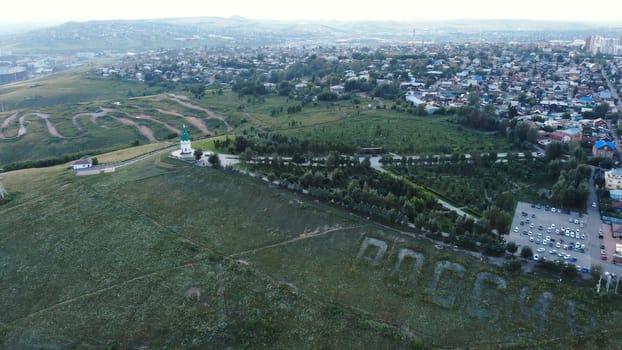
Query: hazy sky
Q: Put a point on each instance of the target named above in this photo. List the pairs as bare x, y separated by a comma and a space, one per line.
401, 10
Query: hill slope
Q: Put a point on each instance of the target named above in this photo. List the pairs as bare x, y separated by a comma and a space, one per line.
186, 257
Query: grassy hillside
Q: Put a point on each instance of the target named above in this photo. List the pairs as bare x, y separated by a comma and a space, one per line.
67, 87
101, 123
183, 257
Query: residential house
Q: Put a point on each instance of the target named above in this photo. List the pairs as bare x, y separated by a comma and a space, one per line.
604, 149
338, 89
82, 164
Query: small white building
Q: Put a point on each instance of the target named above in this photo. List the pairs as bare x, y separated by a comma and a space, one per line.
82, 164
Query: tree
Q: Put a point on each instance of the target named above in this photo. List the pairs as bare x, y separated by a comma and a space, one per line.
297, 158
366, 163
198, 153
554, 150
602, 109
198, 91
513, 265
474, 99
247, 155
596, 271
94, 161
332, 161
498, 219
511, 247
214, 160
526, 252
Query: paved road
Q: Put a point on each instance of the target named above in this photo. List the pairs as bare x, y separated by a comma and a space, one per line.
97, 169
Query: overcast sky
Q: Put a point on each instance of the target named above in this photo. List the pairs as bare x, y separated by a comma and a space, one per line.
347, 10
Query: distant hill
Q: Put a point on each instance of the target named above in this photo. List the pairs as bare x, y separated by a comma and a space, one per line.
121, 35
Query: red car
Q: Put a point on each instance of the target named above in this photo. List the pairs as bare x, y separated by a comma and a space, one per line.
603, 257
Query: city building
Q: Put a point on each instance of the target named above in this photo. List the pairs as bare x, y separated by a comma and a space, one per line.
613, 179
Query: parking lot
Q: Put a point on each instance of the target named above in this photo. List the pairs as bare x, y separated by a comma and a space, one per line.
553, 234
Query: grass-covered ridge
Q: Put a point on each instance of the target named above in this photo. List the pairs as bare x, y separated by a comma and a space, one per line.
187, 257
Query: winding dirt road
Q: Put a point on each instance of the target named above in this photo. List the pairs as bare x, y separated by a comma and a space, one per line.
183, 100
51, 128
166, 125
6, 123
144, 130
196, 122
92, 117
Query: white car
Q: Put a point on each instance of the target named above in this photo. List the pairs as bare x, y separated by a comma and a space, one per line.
553, 252
516, 229
593, 204
536, 257
541, 250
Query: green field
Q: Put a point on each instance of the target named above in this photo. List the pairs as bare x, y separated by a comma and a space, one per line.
75, 85
355, 125
185, 257
71, 99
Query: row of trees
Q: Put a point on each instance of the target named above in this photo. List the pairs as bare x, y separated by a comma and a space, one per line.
274, 143
353, 184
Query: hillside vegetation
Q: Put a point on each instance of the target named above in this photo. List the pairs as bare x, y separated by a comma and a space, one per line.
186, 257
32, 132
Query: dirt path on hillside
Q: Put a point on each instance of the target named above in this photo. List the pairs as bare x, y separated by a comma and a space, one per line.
166, 125
102, 290
22, 129
144, 130
92, 117
305, 235
184, 101
194, 121
51, 128
6, 122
